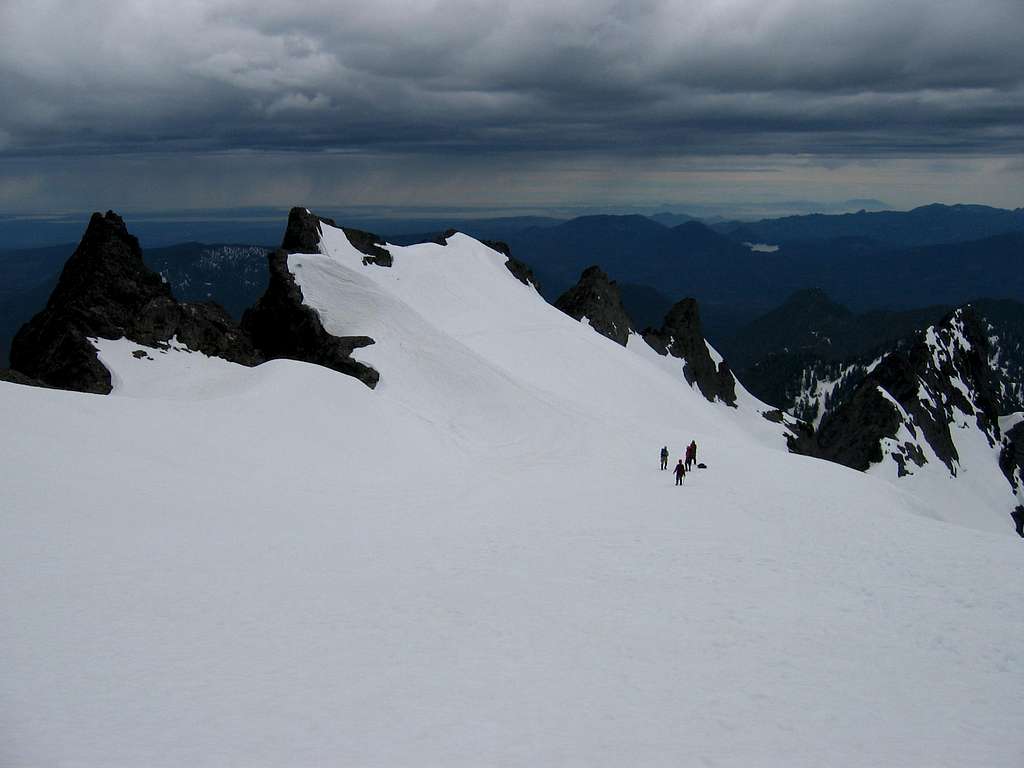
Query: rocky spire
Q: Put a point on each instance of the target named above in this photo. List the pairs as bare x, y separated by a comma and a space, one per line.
681, 336
106, 291
597, 298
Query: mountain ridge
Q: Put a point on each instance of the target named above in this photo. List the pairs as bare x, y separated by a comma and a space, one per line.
930, 224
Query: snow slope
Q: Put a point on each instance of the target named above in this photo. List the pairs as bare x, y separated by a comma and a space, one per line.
477, 563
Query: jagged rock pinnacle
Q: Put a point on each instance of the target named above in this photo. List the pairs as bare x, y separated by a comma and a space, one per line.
106, 291
681, 336
597, 298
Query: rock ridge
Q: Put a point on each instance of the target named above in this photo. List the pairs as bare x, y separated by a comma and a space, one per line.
681, 336
596, 297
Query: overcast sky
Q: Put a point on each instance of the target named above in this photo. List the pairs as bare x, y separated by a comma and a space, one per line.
147, 105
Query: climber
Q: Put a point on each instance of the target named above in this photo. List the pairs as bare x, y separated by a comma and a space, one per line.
680, 471
664, 457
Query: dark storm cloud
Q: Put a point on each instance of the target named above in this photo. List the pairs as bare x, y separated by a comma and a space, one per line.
725, 76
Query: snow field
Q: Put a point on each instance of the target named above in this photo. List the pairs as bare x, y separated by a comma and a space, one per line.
477, 563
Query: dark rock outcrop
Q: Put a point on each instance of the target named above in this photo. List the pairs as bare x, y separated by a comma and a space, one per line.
302, 235
852, 436
208, 328
281, 325
442, 237
522, 272
501, 247
681, 336
1011, 456
1018, 520
943, 373
597, 298
106, 291
14, 377
519, 269
370, 245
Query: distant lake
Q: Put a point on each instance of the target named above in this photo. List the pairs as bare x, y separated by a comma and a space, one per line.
762, 247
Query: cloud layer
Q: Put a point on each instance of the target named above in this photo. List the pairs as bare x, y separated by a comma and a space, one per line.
723, 76
470, 79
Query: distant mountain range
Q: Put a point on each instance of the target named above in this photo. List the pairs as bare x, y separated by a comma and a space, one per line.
688, 259
882, 269
926, 225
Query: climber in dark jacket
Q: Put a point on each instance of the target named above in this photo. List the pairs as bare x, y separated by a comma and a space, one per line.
691, 455
680, 472
664, 457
